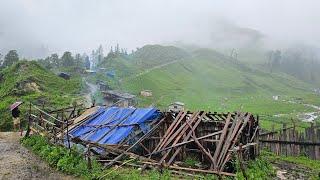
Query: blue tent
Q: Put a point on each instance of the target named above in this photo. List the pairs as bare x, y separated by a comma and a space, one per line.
113, 125
111, 74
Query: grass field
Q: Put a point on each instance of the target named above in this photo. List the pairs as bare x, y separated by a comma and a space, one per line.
208, 80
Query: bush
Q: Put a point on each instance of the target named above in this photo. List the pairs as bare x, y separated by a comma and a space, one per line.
60, 158
259, 168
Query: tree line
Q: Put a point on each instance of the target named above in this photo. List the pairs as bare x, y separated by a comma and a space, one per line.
67, 60
302, 63
10, 58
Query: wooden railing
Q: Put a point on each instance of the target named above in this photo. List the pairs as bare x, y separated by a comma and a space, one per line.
289, 141
53, 124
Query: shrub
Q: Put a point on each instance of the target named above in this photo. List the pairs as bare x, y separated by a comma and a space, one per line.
61, 158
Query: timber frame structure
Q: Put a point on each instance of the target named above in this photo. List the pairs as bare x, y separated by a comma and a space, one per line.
214, 139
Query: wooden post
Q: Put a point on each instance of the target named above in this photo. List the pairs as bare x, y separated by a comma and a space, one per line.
317, 147
62, 126
285, 138
272, 146
240, 159
68, 138
29, 122
313, 139
89, 157
294, 138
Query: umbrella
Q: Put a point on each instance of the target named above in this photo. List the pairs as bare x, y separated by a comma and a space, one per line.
15, 105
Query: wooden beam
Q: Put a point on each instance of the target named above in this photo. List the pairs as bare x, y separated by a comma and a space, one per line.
137, 142
186, 142
192, 170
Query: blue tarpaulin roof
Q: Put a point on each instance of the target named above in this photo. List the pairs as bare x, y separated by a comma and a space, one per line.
100, 127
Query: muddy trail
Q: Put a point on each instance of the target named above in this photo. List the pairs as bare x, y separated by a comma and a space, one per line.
17, 162
286, 170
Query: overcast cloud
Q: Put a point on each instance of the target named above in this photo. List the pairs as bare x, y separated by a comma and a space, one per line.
81, 25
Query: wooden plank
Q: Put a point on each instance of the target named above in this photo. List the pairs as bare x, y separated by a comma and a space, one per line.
234, 140
186, 142
207, 153
47, 121
169, 131
180, 130
186, 137
231, 133
192, 170
46, 113
179, 134
221, 140
292, 142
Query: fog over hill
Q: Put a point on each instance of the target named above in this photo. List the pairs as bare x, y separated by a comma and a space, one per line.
37, 28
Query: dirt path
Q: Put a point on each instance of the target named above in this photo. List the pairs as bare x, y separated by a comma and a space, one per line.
92, 89
16, 162
156, 67
287, 170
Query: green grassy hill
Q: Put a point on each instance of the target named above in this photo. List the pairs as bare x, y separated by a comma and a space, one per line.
146, 57
206, 79
28, 81
153, 55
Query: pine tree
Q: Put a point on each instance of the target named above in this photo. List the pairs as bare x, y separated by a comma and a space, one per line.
67, 59
117, 49
99, 54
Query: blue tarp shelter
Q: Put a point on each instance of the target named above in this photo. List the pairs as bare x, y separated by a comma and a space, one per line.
113, 125
111, 74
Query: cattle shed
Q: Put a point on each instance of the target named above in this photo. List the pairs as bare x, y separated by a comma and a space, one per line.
155, 139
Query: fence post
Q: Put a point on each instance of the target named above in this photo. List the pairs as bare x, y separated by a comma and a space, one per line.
317, 147
89, 157
29, 122
68, 139
313, 139
62, 126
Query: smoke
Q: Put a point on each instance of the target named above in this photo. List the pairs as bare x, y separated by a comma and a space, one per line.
39, 27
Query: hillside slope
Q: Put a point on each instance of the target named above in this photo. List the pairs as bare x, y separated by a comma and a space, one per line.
28, 81
210, 80
207, 79
144, 58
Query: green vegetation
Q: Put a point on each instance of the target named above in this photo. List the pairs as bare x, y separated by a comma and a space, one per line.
207, 79
191, 161
70, 162
73, 163
27, 81
11, 58
153, 55
259, 168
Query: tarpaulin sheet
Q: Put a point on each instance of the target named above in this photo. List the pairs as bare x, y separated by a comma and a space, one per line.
100, 127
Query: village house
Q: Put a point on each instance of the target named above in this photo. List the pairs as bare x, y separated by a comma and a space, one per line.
146, 93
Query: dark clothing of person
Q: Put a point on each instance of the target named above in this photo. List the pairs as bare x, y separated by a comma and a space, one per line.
15, 112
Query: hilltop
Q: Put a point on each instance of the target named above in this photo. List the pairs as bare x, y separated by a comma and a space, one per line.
143, 58
28, 81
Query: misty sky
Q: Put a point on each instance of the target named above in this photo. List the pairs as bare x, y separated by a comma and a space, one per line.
81, 25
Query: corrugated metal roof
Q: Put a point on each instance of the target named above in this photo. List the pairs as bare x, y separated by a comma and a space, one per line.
100, 127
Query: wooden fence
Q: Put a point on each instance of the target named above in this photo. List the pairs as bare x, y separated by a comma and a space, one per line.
53, 124
290, 141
